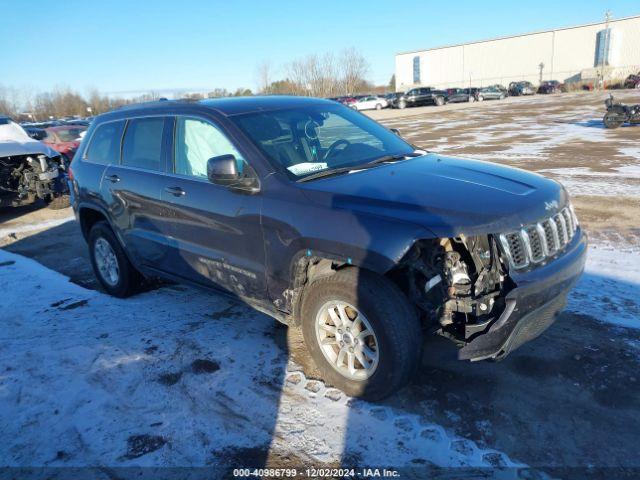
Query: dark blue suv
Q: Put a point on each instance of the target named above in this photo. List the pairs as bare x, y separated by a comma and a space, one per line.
322, 218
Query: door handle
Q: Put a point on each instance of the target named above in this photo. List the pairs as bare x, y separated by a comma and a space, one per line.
113, 178
175, 191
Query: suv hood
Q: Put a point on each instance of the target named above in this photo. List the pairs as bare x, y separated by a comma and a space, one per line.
448, 196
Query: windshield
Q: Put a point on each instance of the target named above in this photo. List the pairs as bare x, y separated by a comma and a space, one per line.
69, 135
310, 139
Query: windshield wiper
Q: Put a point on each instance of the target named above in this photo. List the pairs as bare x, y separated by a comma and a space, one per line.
394, 158
327, 173
362, 166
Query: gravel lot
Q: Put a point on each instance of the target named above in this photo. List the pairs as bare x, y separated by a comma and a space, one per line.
567, 404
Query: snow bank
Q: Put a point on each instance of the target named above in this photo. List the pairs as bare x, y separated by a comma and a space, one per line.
175, 377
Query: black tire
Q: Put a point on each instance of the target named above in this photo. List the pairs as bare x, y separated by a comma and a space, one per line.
129, 279
612, 120
58, 203
390, 315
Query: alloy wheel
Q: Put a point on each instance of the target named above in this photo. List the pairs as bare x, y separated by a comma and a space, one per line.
106, 261
347, 340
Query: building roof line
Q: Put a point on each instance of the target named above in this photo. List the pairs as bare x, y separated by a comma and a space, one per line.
538, 32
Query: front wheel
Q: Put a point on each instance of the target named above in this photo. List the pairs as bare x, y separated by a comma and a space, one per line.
362, 333
110, 264
439, 101
612, 120
472, 99
378, 106
480, 98
402, 105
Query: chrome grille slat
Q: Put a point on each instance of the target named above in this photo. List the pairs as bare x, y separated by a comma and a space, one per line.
536, 249
535, 243
562, 228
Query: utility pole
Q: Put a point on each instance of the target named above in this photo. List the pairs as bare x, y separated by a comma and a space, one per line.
541, 67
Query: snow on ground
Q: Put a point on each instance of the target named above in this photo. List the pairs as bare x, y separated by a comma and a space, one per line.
175, 377
609, 289
619, 181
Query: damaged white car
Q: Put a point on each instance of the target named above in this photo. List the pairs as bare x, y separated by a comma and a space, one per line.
29, 169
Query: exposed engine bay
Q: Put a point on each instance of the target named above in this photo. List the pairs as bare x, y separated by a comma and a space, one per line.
25, 178
458, 284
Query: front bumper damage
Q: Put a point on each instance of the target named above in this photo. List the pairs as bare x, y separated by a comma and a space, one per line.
532, 306
25, 178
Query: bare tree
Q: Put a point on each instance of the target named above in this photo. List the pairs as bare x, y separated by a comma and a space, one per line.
264, 74
354, 69
9, 101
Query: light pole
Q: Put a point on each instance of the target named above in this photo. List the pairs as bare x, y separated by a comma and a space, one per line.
605, 49
541, 67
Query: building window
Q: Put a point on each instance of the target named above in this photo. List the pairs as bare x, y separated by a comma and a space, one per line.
603, 43
416, 70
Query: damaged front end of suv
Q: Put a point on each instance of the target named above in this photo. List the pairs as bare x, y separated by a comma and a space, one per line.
29, 170
492, 293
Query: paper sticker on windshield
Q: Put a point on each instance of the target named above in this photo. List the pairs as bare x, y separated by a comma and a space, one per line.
306, 167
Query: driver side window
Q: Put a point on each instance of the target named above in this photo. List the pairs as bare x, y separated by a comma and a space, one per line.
196, 141
336, 127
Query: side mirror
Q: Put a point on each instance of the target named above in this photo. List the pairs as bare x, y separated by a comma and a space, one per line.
223, 170
396, 131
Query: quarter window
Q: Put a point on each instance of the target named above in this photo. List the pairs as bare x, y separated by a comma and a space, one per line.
142, 145
196, 141
105, 143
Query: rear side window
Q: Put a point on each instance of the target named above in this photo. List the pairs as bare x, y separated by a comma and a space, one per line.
142, 145
105, 143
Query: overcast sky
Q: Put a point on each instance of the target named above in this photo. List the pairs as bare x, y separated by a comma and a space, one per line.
120, 46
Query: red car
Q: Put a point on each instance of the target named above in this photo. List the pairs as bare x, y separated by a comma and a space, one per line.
64, 139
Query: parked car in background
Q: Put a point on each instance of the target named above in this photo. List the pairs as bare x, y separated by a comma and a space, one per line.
632, 81
420, 96
492, 93
346, 100
324, 219
550, 86
521, 88
456, 95
372, 102
35, 133
501, 88
392, 97
80, 122
64, 139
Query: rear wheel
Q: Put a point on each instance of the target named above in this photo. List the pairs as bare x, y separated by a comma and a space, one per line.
362, 333
480, 98
502, 96
612, 120
110, 264
402, 105
439, 101
378, 106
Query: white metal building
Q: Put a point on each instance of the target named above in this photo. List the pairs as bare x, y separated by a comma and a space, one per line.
580, 53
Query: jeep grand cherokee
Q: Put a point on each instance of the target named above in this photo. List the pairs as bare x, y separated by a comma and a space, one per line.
323, 218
